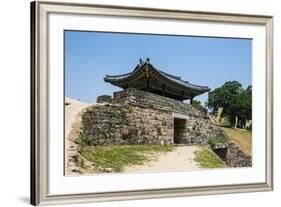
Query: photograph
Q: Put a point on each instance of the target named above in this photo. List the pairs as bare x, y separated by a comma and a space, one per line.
137, 103
133, 103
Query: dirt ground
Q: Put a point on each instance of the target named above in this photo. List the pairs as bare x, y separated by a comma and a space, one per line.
180, 159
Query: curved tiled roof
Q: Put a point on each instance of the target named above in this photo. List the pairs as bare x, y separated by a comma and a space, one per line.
147, 66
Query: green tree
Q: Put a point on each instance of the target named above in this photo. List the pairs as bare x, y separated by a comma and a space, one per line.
235, 100
196, 104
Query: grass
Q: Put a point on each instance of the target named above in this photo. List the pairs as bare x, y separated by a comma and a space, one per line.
215, 141
117, 157
207, 159
240, 137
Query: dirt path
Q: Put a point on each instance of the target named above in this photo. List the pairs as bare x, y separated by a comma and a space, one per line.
71, 112
180, 159
72, 130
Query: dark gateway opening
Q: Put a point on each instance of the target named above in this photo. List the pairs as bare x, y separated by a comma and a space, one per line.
179, 127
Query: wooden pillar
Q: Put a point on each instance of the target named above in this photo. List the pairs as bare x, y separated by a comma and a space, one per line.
182, 95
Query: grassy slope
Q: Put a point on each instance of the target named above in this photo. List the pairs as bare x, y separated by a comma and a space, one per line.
241, 138
208, 159
116, 157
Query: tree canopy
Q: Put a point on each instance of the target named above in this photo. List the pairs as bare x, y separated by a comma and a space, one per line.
235, 100
196, 104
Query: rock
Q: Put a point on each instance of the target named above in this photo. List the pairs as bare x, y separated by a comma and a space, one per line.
108, 169
75, 170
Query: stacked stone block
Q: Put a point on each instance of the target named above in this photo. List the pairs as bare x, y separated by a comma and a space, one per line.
139, 117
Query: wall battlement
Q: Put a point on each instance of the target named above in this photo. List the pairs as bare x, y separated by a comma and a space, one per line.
140, 98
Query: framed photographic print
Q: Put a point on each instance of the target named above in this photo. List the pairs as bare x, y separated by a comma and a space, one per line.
135, 103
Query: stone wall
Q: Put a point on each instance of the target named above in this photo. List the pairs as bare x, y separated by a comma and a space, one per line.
139, 117
199, 130
146, 99
236, 158
104, 99
116, 124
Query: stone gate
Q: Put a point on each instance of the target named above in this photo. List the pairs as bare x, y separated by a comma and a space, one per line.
135, 116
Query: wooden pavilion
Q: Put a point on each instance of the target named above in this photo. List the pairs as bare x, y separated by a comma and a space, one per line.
147, 78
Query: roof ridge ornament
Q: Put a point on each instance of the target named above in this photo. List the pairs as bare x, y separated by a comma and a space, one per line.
147, 61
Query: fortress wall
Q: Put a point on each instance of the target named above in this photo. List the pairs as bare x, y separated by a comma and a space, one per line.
116, 124
139, 117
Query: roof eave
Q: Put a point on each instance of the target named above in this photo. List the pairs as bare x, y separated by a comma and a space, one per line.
118, 79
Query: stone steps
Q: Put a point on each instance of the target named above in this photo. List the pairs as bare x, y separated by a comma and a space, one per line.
72, 148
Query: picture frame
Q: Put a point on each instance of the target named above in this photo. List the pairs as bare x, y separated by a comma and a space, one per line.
40, 101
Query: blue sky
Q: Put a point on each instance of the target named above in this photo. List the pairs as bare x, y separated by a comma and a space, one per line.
89, 56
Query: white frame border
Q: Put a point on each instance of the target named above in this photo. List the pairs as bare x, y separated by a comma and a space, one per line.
39, 100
